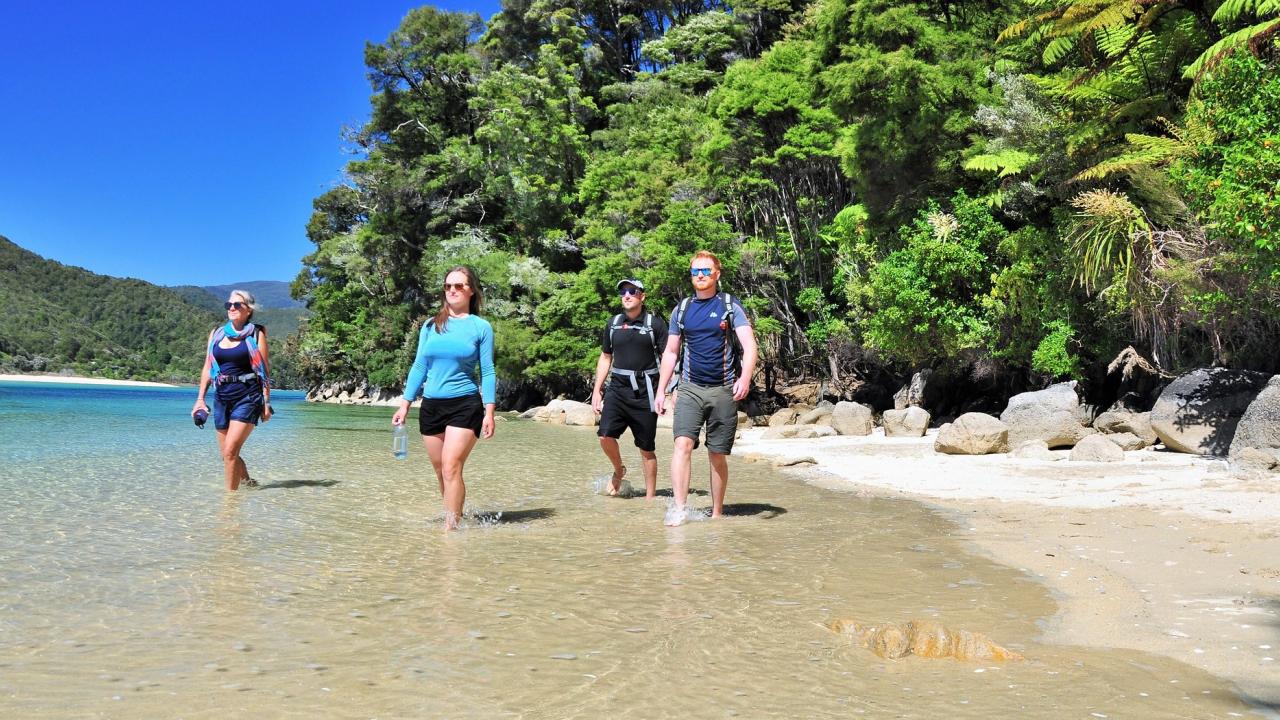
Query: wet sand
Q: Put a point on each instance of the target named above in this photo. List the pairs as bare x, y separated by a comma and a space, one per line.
1165, 553
79, 380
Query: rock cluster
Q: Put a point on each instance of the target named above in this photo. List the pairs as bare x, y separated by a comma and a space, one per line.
352, 392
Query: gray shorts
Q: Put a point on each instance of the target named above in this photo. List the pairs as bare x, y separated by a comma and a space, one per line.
698, 405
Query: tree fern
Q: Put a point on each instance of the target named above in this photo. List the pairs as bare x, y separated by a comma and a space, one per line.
1233, 11
1230, 43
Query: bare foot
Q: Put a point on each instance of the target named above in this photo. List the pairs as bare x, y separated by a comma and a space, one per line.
615, 483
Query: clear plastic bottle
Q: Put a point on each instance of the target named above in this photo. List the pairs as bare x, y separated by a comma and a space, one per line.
400, 442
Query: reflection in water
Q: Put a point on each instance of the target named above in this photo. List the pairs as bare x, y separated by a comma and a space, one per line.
132, 586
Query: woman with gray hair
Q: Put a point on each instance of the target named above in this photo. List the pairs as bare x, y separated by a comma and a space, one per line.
236, 363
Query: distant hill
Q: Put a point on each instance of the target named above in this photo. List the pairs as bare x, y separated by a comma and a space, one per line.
279, 312
59, 317
268, 294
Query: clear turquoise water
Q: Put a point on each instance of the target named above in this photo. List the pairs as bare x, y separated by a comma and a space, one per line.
133, 586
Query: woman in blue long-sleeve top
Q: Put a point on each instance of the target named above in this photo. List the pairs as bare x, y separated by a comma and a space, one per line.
457, 409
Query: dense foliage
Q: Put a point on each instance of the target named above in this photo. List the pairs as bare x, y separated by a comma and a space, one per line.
890, 184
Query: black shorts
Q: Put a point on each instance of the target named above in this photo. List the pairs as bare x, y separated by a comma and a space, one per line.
460, 412
625, 409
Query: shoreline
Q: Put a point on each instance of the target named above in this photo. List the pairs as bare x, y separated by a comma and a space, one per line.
79, 380
1164, 553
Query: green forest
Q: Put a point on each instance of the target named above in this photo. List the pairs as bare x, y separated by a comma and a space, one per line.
891, 185
67, 319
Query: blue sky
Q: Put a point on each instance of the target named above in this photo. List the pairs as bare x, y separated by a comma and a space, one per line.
180, 143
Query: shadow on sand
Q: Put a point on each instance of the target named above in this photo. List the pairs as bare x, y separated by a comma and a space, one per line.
764, 510
667, 492
290, 484
507, 517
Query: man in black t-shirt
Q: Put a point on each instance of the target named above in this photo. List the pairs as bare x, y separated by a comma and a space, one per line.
629, 356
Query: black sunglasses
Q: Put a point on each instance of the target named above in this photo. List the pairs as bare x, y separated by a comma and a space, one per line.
236, 305
629, 291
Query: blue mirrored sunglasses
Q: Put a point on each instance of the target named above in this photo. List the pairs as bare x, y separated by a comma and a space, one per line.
704, 272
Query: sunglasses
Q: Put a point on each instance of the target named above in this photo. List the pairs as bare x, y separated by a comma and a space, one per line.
456, 286
704, 272
629, 291
236, 305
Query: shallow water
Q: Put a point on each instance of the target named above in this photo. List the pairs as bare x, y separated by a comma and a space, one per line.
132, 585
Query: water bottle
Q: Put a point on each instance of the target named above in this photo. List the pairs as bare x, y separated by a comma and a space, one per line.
400, 442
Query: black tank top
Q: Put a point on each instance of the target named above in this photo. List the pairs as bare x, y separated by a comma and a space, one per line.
233, 361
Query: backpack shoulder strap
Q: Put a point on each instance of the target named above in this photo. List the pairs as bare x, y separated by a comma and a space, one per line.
680, 310
613, 325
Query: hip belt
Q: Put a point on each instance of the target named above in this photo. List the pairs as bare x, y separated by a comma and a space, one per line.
237, 378
649, 376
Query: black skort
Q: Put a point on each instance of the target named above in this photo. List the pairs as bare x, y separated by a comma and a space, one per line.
625, 409
460, 412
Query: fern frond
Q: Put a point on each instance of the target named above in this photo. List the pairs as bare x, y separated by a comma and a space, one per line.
1226, 46
1145, 151
1006, 162
1233, 10
1021, 27
1113, 41
1057, 49
1113, 16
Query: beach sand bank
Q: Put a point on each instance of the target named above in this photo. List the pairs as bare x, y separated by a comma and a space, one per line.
77, 380
1165, 553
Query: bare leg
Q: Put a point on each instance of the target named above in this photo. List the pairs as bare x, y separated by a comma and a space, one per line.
435, 451
719, 481
650, 460
453, 447
230, 442
610, 447
680, 459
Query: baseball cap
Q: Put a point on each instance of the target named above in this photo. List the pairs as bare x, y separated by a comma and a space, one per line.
630, 281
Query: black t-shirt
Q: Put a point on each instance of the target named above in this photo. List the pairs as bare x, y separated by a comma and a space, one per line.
632, 347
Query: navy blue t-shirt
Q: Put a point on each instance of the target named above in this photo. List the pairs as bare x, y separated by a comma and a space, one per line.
708, 356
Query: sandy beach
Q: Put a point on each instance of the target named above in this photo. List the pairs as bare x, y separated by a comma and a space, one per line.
1166, 553
77, 380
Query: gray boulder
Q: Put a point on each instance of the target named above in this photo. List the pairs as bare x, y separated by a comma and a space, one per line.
1198, 412
851, 418
972, 434
744, 420
908, 422
912, 394
1126, 440
816, 415
1096, 448
577, 413
1034, 450
785, 416
1256, 445
798, 432
1053, 415
1123, 421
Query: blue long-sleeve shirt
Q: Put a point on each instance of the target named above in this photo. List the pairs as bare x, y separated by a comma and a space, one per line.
447, 362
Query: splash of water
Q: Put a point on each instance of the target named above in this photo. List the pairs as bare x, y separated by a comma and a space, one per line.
677, 515
600, 485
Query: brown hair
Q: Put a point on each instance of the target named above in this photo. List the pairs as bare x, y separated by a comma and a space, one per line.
477, 295
708, 255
